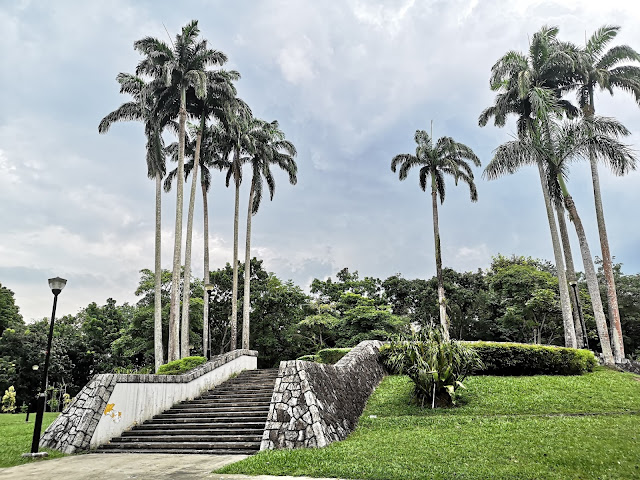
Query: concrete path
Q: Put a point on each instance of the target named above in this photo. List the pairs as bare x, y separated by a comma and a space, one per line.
131, 466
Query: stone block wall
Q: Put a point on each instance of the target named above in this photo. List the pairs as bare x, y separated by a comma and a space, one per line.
112, 403
314, 404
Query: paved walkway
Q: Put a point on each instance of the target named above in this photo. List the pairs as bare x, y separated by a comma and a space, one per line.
130, 466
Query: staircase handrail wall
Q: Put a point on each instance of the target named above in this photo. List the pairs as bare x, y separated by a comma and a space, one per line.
112, 403
314, 404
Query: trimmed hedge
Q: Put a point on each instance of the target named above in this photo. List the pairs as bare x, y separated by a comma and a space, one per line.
309, 358
525, 359
178, 367
332, 355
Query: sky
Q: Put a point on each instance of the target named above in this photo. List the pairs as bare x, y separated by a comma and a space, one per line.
349, 81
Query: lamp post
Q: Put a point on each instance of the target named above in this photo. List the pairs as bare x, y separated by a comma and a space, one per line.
206, 337
574, 287
56, 284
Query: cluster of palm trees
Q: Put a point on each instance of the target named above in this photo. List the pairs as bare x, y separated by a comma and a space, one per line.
552, 132
171, 83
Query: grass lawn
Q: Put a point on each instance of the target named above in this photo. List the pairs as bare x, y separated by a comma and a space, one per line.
541, 427
16, 435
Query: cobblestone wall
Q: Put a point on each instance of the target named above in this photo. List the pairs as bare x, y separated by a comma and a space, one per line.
314, 405
73, 430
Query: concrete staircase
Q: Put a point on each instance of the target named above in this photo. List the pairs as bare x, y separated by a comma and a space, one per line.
228, 419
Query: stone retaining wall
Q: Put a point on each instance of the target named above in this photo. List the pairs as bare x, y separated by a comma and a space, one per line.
111, 403
314, 405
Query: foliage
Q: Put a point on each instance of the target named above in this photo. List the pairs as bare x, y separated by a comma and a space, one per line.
332, 355
505, 428
435, 366
9, 312
9, 400
178, 367
309, 358
523, 359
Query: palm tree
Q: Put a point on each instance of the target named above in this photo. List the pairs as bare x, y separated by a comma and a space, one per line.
530, 87
446, 157
555, 148
271, 149
143, 108
182, 67
601, 67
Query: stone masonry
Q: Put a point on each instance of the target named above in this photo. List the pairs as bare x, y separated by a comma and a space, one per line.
314, 404
72, 430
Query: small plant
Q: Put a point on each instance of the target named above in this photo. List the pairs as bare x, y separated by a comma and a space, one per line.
24, 408
9, 400
181, 366
435, 366
66, 401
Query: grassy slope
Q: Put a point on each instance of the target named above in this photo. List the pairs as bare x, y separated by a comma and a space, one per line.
16, 435
505, 428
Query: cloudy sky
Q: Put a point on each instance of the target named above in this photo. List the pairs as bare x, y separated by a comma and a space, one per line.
349, 81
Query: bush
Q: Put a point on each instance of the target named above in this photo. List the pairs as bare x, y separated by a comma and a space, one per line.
309, 358
525, 359
435, 366
183, 365
9, 400
332, 355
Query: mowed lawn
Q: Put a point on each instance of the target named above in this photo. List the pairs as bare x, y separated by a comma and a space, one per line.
540, 427
16, 435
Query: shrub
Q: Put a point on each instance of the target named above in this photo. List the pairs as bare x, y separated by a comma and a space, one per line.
435, 366
524, 359
9, 400
332, 355
309, 358
183, 365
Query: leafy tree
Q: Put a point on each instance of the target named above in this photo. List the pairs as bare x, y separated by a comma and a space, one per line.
446, 157
9, 312
607, 69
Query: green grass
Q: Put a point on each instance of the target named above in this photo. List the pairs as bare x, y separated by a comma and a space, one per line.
542, 427
16, 435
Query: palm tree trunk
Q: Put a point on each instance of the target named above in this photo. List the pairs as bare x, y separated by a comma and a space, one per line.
186, 292
157, 303
592, 282
247, 276
607, 264
571, 275
205, 299
444, 321
565, 302
234, 294
174, 314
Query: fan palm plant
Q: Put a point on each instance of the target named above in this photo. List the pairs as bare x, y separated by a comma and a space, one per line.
607, 69
271, 148
182, 66
530, 86
143, 108
446, 157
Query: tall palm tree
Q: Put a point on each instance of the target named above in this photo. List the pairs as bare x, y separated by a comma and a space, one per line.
271, 149
446, 157
530, 86
219, 91
606, 69
555, 147
143, 108
182, 66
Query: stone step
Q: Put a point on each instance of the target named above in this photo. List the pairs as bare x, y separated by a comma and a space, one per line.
184, 445
190, 420
171, 438
202, 426
170, 451
222, 401
218, 409
193, 431
213, 416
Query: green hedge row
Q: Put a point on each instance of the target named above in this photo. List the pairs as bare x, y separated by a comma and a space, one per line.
524, 359
326, 355
183, 365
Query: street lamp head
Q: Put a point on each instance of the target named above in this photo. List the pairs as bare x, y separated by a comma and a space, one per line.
573, 284
57, 284
35, 367
208, 287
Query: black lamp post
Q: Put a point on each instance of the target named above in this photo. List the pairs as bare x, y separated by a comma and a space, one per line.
574, 287
207, 341
56, 285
